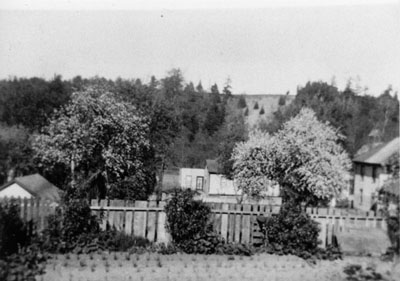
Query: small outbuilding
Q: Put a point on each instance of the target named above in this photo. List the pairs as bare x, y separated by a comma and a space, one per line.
31, 186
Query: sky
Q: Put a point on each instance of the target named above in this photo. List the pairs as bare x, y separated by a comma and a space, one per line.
262, 49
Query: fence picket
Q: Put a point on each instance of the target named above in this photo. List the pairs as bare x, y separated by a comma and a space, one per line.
139, 219
151, 222
224, 221
246, 224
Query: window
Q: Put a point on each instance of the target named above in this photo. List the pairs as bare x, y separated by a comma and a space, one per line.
199, 183
188, 181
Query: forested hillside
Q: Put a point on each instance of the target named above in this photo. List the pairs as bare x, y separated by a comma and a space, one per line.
187, 123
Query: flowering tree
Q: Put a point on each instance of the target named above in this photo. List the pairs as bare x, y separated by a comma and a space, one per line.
304, 158
94, 134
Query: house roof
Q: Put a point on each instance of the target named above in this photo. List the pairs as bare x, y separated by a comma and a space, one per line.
213, 166
36, 185
380, 153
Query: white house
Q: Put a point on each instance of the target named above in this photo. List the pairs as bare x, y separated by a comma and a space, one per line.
192, 178
217, 183
371, 170
31, 186
213, 186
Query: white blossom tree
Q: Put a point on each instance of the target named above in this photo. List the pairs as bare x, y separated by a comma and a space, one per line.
304, 158
94, 133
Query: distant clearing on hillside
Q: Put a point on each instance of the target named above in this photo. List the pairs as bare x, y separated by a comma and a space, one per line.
270, 103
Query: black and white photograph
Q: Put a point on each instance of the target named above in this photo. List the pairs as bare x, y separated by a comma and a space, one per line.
195, 140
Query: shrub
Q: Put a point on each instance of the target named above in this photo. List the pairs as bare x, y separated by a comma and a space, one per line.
186, 218
24, 265
19, 260
71, 224
262, 111
256, 106
356, 272
13, 231
292, 230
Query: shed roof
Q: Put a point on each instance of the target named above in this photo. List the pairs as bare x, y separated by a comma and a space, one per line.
380, 153
36, 185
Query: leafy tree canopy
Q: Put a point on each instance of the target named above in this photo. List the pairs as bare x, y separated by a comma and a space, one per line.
304, 158
94, 133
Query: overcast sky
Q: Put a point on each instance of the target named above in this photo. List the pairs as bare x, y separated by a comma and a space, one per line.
264, 51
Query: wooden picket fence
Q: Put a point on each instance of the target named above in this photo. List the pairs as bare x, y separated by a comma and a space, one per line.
234, 222
33, 211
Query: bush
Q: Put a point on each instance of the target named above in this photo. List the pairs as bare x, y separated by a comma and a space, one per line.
72, 222
356, 272
19, 260
24, 265
186, 217
13, 230
292, 230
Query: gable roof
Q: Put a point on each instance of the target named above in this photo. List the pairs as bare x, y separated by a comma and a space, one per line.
379, 154
36, 185
213, 166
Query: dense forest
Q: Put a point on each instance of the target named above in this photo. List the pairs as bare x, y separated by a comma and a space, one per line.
187, 123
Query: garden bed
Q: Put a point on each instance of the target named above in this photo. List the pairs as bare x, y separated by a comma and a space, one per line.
152, 266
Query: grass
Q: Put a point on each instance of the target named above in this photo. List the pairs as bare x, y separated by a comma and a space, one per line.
155, 267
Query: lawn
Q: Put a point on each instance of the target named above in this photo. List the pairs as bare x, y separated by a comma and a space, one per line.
153, 267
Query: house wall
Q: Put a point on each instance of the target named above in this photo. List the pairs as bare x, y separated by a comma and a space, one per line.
368, 179
221, 185
15, 190
192, 178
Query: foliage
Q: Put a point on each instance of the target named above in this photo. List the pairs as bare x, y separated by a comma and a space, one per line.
233, 131
72, 220
132, 188
292, 230
256, 106
186, 217
282, 101
212, 243
13, 231
304, 158
167, 249
262, 111
241, 102
355, 116
95, 133
28, 102
15, 152
24, 265
19, 259
356, 272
